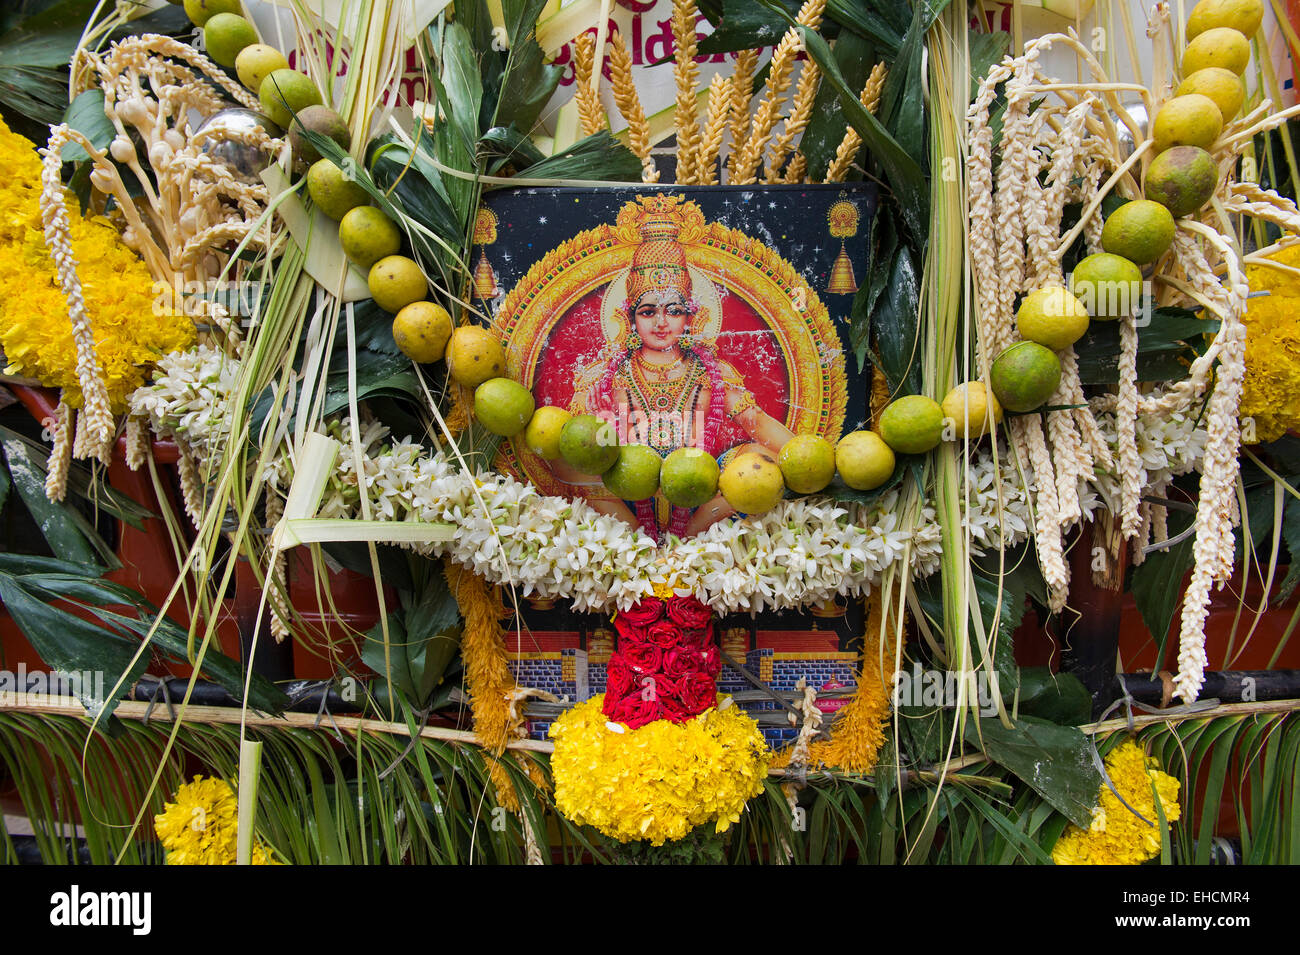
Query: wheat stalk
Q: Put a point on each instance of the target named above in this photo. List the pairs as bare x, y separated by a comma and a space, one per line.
629, 105
590, 113
742, 91
778, 81
852, 142
715, 126
805, 94
686, 75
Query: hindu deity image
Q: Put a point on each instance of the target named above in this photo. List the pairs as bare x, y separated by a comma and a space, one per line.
681, 333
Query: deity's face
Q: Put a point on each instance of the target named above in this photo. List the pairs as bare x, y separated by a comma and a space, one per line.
660, 318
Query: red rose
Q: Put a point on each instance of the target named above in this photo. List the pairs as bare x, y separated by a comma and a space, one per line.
674, 710
698, 692
629, 632
664, 634
646, 612
632, 711
698, 638
659, 687
642, 657
679, 661
618, 678
710, 661
688, 612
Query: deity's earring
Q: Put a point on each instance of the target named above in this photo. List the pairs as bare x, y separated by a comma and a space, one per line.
633, 341
686, 341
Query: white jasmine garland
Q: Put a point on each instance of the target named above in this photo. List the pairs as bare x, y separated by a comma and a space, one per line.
805, 551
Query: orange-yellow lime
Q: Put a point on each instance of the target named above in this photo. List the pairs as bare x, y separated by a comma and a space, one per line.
634, 476
395, 282
367, 235
421, 330
1053, 317
807, 463
1140, 231
543, 432
1108, 285
225, 35
752, 482
503, 406
968, 406
1189, 120
474, 355
201, 11
1182, 179
689, 477
256, 62
318, 119
1223, 86
864, 460
1025, 375
1244, 16
588, 444
912, 424
1219, 46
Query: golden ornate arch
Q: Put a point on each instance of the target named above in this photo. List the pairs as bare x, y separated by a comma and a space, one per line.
739, 263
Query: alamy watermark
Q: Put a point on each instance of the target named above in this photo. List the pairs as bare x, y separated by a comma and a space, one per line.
74, 689
942, 688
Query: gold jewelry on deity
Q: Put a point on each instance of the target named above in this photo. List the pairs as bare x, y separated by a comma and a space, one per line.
659, 373
744, 404
686, 341
634, 341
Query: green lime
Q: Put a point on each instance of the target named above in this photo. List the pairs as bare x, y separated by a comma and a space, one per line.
322, 120
1140, 231
225, 35
285, 92
474, 355
1182, 179
588, 444
752, 482
421, 330
543, 433
1108, 285
635, 475
1053, 317
332, 191
864, 460
503, 406
807, 463
1025, 375
912, 424
968, 406
689, 477
367, 235
395, 282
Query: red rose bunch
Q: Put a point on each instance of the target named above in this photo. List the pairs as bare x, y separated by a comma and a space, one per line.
665, 665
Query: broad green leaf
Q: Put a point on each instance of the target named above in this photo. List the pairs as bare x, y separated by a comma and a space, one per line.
1172, 337
596, 157
67, 643
62, 527
1157, 583
1058, 697
85, 114
504, 146
528, 81
855, 55
1056, 761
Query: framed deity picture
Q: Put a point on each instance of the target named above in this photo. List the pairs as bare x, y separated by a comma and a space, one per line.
710, 318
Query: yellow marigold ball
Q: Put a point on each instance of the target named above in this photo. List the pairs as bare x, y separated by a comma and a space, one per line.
201, 826
1270, 400
1116, 836
660, 781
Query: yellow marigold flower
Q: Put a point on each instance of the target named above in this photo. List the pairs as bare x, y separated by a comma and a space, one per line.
132, 328
660, 781
1271, 394
201, 826
1116, 836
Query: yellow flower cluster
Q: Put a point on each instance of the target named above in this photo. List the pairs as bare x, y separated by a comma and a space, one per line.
131, 327
1117, 837
1271, 394
201, 826
660, 781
